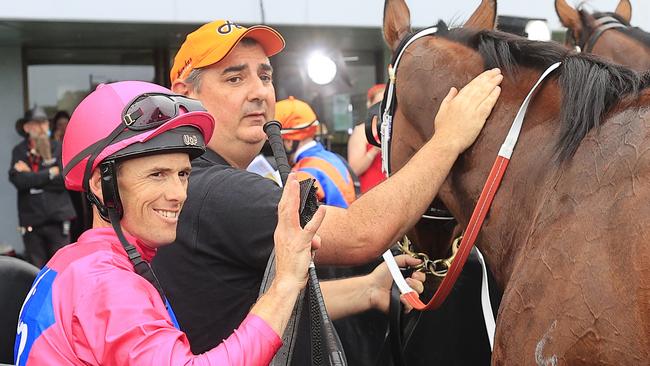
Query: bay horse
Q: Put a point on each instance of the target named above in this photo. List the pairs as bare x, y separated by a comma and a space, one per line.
566, 237
608, 35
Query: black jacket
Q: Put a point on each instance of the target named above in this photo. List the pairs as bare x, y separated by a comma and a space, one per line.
41, 200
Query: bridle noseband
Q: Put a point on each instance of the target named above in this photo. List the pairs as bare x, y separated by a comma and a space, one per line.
587, 42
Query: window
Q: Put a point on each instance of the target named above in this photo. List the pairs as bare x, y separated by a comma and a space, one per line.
62, 87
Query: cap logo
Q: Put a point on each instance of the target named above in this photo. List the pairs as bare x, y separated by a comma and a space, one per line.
188, 64
190, 140
227, 27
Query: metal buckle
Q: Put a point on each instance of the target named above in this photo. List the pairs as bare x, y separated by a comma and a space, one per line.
438, 267
441, 266
128, 120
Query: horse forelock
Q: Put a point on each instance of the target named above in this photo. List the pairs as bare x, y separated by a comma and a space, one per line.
590, 86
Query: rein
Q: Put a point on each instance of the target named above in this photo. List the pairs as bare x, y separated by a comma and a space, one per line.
485, 199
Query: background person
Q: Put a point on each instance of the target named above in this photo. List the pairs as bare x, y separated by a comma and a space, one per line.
309, 157
365, 159
44, 206
83, 218
59, 124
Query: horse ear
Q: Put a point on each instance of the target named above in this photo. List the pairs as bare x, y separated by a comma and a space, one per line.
624, 10
397, 22
484, 17
569, 17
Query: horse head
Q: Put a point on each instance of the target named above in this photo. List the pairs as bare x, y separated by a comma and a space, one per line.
396, 28
423, 69
572, 201
433, 237
587, 32
560, 117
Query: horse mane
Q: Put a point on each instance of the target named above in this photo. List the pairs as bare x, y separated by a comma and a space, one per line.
590, 86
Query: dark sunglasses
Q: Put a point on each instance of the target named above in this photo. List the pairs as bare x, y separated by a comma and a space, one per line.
151, 110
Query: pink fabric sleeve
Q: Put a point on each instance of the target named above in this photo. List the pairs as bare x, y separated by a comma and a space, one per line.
253, 343
127, 324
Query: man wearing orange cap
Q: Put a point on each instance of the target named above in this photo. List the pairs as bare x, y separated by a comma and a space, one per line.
225, 233
309, 157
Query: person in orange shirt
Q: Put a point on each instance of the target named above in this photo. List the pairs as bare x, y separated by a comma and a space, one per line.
309, 157
365, 159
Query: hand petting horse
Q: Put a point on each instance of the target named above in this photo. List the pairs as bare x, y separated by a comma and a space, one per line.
609, 35
567, 234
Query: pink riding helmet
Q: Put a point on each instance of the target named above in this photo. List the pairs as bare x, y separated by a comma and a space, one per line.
100, 114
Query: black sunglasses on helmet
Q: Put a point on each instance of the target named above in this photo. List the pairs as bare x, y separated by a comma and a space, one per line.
151, 110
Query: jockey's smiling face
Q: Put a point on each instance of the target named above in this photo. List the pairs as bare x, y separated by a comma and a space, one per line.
153, 189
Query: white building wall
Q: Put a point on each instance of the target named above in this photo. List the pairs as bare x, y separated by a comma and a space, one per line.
11, 105
363, 13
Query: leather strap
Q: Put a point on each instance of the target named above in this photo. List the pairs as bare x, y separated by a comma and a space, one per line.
398, 335
392, 350
395, 327
591, 42
370, 135
285, 354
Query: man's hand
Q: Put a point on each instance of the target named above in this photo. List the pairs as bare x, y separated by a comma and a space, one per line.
22, 167
462, 114
293, 245
381, 282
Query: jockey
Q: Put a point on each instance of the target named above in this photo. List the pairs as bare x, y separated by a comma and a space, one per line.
98, 302
311, 160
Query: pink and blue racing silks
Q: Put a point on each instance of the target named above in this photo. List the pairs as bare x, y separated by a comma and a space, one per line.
88, 307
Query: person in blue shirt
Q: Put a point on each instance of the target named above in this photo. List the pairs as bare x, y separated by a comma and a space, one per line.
309, 157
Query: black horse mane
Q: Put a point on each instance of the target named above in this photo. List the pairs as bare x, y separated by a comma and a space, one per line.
590, 86
632, 32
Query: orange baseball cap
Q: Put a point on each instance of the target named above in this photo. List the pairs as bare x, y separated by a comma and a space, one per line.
297, 118
213, 41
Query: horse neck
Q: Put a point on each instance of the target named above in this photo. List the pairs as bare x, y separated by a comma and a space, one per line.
529, 178
623, 49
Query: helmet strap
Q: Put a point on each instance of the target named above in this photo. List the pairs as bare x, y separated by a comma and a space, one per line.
140, 265
103, 212
110, 191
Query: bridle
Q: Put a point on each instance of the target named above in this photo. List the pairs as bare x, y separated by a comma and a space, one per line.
387, 111
588, 40
484, 201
